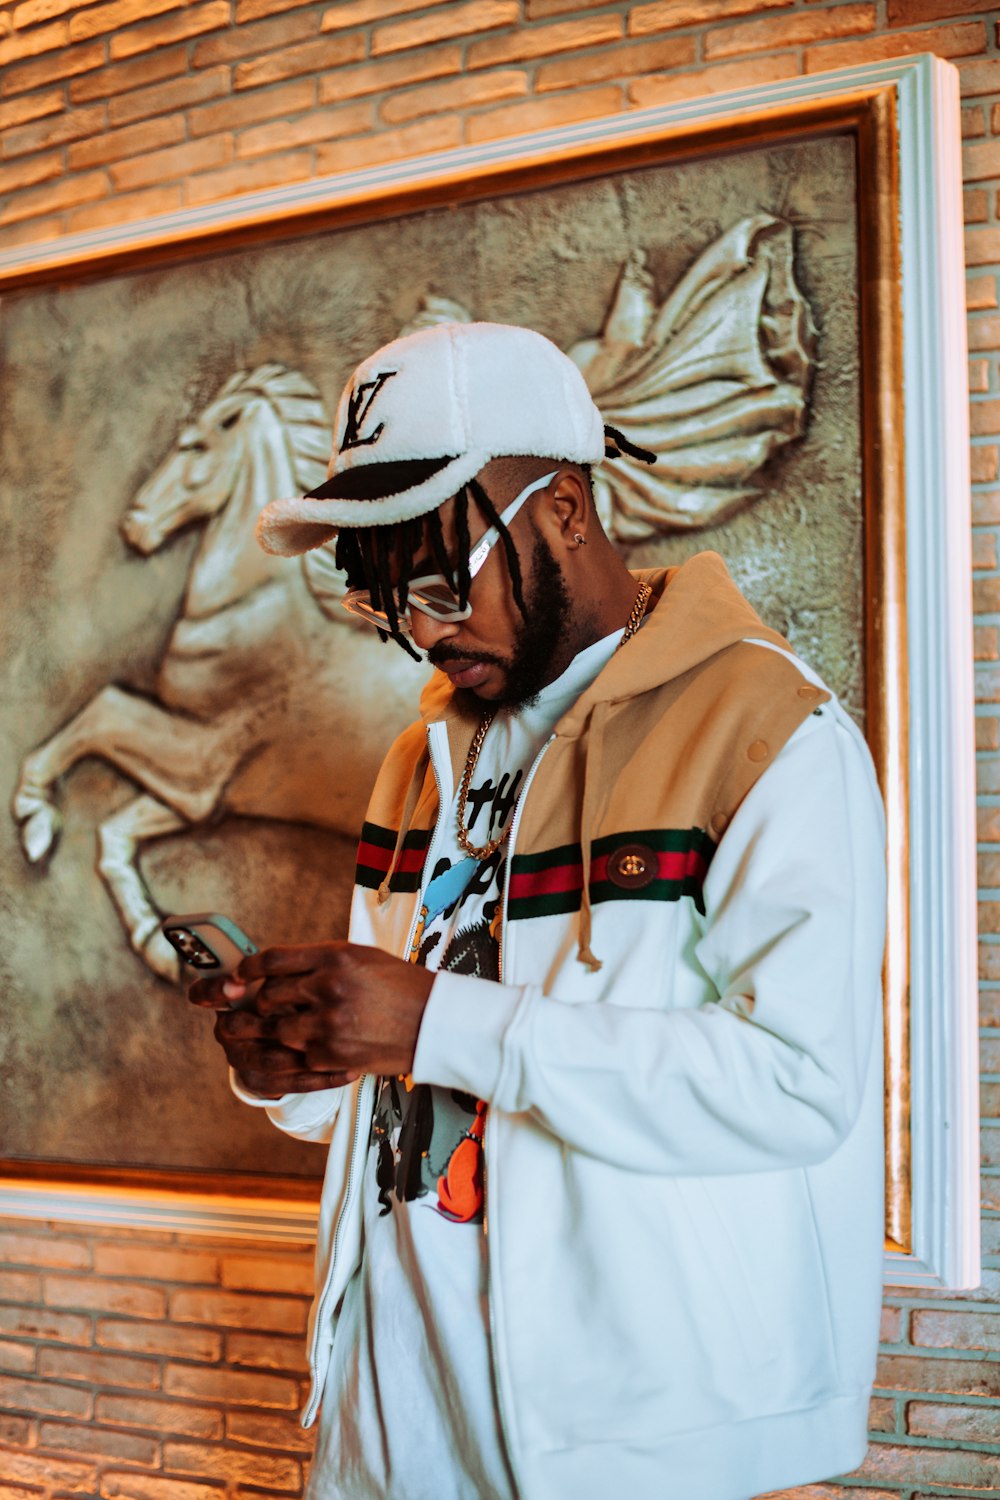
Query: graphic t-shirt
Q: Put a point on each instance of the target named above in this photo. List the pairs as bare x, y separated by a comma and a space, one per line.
411, 1411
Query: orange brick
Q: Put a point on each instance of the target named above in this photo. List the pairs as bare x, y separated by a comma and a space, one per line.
985, 464
544, 41
125, 208
97, 20
881, 1415
178, 1417
907, 1465
159, 1338
973, 121
194, 21
33, 12
33, 107
141, 171
32, 231
984, 417
53, 132
131, 140
360, 12
16, 1432
989, 1093
43, 1323
252, 10
66, 64
630, 61
120, 1297
322, 125
666, 15
443, 25
268, 1274
54, 1473
248, 176
66, 193
171, 62
986, 647
165, 98
131, 1260
235, 1310
259, 1469
988, 832
980, 77
97, 1368
20, 1286
121, 1447
29, 170
40, 1250
267, 1352
453, 93
307, 57
44, 1396
984, 333
979, 375
790, 31
717, 80
954, 1422
264, 1431
250, 41
943, 41
391, 145
390, 73
957, 1377
906, 12
132, 1486
980, 291
891, 1328
985, 507
987, 733
981, 160
249, 109
17, 1359
539, 10
988, 779
539, 114
30, 43
243, 1387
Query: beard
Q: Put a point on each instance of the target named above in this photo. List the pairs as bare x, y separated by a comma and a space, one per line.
544, 645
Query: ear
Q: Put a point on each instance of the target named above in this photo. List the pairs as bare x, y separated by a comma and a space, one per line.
568, 508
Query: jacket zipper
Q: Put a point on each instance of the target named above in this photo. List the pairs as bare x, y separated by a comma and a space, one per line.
504, 1428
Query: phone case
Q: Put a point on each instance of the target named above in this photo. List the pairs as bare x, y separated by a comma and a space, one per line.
207, 941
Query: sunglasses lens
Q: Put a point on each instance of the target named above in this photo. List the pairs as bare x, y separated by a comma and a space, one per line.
358, 603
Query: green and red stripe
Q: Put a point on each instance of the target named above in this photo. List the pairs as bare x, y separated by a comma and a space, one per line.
549, 883
375, 855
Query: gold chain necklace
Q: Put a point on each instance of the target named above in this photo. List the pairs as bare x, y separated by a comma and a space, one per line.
483, 851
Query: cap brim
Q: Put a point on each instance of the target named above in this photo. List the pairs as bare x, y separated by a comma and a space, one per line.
296, 525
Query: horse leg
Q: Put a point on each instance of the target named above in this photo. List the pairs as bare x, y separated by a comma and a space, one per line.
175, 758
118, 839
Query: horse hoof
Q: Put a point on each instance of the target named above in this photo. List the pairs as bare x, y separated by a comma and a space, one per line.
40, 831
161, 958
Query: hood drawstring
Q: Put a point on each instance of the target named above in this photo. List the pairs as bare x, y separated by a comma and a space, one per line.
409, 805
591, 782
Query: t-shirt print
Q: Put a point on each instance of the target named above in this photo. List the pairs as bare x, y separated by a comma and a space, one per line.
427, 1139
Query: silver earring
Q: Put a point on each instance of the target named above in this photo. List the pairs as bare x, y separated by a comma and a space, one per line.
581, 541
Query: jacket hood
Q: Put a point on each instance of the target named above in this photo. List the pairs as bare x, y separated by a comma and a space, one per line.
695, 611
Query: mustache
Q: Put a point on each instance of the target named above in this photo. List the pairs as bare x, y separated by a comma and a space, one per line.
442, 652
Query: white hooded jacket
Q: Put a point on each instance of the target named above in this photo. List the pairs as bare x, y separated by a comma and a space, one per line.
682, 1061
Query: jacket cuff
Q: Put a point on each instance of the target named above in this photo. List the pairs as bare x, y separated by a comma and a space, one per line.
288, 1111
461, 1039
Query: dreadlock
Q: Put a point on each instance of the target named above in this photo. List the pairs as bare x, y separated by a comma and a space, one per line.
366, 554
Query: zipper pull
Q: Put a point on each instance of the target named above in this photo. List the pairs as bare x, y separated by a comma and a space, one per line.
418, 935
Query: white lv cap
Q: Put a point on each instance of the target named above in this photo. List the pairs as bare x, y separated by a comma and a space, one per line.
421, 417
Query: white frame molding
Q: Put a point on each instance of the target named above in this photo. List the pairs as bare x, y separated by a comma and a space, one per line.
933, 932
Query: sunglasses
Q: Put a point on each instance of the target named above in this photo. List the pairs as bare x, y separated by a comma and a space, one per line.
431, 593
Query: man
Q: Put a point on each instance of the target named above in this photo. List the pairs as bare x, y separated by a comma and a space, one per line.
600, 1069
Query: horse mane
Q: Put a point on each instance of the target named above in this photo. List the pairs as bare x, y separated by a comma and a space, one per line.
299, 407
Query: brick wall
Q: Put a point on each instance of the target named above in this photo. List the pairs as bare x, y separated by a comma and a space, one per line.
137, 1366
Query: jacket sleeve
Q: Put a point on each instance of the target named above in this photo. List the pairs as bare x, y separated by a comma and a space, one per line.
769, 1071
307, 1117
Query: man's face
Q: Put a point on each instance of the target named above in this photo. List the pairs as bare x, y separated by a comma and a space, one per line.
496, 655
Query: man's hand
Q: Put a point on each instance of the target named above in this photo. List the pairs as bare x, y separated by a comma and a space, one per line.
321, 1016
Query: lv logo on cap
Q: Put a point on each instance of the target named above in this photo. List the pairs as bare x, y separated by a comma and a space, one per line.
357, 412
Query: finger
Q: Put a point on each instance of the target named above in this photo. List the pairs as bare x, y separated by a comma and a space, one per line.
208, 993
241, 1025
297, 1027
297, 1083
272, 961
295, 991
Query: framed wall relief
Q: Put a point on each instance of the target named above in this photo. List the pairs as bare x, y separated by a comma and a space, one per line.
766, 288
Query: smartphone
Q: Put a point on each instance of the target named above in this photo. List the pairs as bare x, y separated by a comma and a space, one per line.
207, 942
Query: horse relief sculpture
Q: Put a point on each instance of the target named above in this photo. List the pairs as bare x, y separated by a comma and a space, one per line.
270, 701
